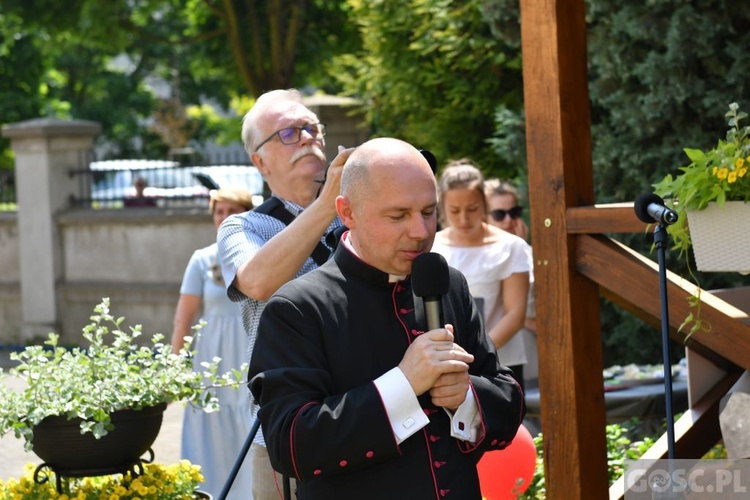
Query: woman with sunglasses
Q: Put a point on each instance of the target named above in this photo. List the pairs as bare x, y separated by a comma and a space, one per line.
503, 208
496, 263
505, 213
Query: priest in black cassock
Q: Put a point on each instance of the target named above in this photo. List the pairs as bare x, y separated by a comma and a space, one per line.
357, 399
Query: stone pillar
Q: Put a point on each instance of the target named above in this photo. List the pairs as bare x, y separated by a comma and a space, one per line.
45, 149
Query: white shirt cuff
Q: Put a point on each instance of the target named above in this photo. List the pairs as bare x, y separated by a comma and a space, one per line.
404, 412
465, 423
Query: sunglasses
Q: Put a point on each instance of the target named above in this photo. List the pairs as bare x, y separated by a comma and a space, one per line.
500, 214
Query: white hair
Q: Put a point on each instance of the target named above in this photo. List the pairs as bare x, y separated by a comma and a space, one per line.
250, 121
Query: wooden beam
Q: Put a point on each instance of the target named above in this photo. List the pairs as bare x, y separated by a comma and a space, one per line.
609, 218
560, 176
696, 431
633, 277
655, 322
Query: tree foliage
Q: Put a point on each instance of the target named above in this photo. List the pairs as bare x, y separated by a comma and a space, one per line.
263, 45
20, 77
117, 62
662, 74
431, 72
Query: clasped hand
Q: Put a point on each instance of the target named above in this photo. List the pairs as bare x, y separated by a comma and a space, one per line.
434, 363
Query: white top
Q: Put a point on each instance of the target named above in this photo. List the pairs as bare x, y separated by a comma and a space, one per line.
485, 267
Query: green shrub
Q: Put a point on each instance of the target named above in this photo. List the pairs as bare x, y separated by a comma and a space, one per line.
623, 443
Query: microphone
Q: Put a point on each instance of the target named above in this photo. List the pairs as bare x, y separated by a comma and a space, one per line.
430, 281
650, 208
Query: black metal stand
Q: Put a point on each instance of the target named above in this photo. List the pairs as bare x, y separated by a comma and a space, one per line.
241, 458
134, 468
660, 241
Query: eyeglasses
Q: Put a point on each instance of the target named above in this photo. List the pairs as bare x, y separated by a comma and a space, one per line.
292, 135
500, 214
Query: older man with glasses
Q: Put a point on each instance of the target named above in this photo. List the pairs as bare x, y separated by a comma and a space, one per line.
285, 237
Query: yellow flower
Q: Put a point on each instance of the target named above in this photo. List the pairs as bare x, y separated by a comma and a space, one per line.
741, 172
715, 169
732, 177
722, 173
739, 162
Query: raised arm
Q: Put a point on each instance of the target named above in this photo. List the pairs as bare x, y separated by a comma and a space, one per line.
280, 259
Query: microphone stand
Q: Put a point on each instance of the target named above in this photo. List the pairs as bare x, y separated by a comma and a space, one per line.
241, 458
660, 240
650, 208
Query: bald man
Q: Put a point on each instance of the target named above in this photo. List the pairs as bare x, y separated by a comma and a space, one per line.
357, 400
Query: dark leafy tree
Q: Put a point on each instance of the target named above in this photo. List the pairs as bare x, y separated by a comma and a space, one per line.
21, 63
115, 61
661, 75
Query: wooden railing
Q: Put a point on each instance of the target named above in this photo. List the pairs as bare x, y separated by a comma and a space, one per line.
575, 264
632, 281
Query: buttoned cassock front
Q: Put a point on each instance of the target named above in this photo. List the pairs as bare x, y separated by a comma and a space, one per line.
323, 338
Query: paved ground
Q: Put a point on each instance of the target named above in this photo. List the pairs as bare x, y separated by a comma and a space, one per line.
166, 448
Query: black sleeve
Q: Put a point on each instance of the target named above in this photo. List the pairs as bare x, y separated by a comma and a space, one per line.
306, 425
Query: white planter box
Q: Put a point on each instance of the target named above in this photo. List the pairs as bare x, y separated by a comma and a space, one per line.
721, 237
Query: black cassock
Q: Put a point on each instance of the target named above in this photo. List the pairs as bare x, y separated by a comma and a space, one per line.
323, 338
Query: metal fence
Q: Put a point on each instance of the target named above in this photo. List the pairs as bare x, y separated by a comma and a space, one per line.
113, 184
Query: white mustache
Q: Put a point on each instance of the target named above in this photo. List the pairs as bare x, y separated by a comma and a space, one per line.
309, 150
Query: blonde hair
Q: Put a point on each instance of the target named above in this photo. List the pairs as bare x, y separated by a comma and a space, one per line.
233, 195
461, 174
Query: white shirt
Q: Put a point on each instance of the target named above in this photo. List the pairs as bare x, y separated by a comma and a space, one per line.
485, 267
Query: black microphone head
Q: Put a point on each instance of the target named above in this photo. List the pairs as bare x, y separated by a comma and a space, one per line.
641, 206
429, 275
430, 159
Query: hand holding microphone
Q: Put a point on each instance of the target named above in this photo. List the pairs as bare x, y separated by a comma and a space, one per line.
434, 362
431, 356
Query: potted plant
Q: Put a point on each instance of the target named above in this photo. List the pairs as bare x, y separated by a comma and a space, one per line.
157, 482
710, 196
87, 393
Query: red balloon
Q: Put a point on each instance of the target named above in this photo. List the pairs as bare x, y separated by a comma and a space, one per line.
505, 474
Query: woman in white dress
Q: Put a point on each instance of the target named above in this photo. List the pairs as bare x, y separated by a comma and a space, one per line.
496, 263
214, 440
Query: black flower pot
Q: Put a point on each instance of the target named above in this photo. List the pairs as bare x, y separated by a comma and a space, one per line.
60, 444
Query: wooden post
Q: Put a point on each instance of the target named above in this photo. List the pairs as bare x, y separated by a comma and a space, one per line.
560, 176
